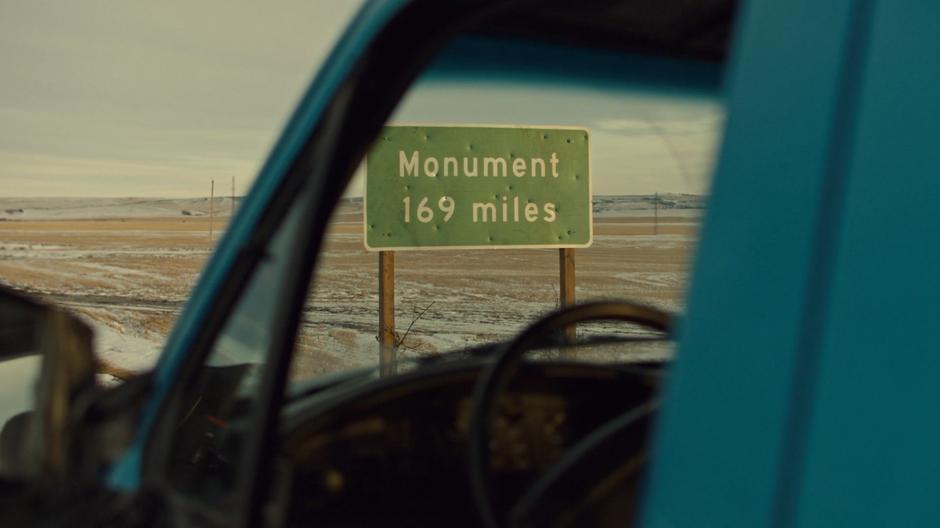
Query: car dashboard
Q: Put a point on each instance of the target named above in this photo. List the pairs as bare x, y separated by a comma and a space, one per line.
394, 450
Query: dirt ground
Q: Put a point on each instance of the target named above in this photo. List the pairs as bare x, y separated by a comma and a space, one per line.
132, 276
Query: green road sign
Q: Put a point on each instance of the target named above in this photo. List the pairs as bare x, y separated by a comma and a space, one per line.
455, 187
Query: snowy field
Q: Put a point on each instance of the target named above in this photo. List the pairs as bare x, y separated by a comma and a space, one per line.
127, 266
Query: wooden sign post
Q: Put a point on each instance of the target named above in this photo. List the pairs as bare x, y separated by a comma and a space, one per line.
566, 283
388, 347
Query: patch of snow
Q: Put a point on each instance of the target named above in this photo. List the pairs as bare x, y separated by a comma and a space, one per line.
126, 351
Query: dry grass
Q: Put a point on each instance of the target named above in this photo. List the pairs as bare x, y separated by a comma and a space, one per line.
477, 294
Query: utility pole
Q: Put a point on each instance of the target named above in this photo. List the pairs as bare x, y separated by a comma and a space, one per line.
232, 212
656, 214
211, 200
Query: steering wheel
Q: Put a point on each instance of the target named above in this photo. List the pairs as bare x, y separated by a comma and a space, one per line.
496, 375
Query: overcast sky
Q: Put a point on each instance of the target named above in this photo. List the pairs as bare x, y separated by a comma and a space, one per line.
134, 98
641, 142
139, 98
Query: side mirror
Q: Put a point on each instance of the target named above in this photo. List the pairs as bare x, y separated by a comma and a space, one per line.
43, 443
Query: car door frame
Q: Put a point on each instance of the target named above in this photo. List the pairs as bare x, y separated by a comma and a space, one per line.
381, 53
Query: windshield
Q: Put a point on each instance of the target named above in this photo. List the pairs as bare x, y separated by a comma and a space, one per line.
653, 126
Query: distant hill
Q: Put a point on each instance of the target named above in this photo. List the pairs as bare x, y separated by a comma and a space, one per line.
104, 208
642, 205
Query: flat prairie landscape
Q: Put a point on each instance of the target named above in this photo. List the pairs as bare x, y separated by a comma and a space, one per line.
127, 267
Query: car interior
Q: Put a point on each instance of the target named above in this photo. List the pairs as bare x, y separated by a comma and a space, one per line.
514, 428
512, 432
